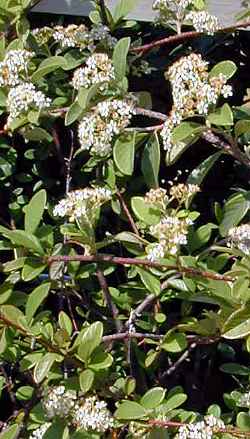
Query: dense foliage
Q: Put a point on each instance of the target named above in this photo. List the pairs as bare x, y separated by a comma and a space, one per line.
125, 282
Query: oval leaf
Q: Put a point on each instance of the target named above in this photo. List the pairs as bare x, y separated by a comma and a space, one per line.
36, 298
130, 410
34, 211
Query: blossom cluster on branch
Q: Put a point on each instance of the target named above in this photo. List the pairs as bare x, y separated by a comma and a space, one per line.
194, 91
186, 12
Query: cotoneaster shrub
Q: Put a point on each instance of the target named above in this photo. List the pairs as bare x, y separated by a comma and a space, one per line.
118, 293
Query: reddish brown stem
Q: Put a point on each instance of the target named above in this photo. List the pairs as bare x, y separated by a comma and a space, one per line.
108, 298
173, 424
139, 262
185, 36
127, 213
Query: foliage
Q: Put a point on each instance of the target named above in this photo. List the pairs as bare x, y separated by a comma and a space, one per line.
118, 288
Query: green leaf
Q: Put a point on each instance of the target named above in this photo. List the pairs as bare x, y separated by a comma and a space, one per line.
124, 153
13, 315
174, 401
65, 322
36, 298
26, 240
144, 211
243, 421
44, 365
86, 95
86, 380
186, 130
240, 331
223, 116
56, 430
226, 68
200, 236
199, 173
151, 162
123, 8
47, 66
174, 343
120, 57
153, 398
235, 369
37, 134
11, 432
130, 410
34, 211
234, 210
73, 113
242, 127
24, 393
151, 282
32, 268
91, 338
100, 360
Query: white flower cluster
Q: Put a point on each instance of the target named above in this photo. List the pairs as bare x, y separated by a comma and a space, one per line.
92, 415
181, 192
82, 203
58, 402
194, 91
88, 414
239, 237
98, 128
99, 69
244, 400
201, 430
171, 10
40, 431
158, 197
23, 98
73, 36
14, 66
202, 21
171, 232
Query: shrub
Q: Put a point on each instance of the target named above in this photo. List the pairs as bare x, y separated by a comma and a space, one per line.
124, 299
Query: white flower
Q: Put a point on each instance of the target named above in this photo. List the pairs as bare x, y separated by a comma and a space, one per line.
40, 432
71, 36
171, 232
201, 430
14, 67
99, 69
239, 237
202, 21
97, 129
92, 415
81, 37
23, 98
58, 402
194, 91
82, 203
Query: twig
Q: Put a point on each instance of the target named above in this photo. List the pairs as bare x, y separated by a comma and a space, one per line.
173, 424
229, 147
127, 213
128, 335
145, 129
185, 36
181, 359
112, 307
150, 113
110, 259
9, 386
